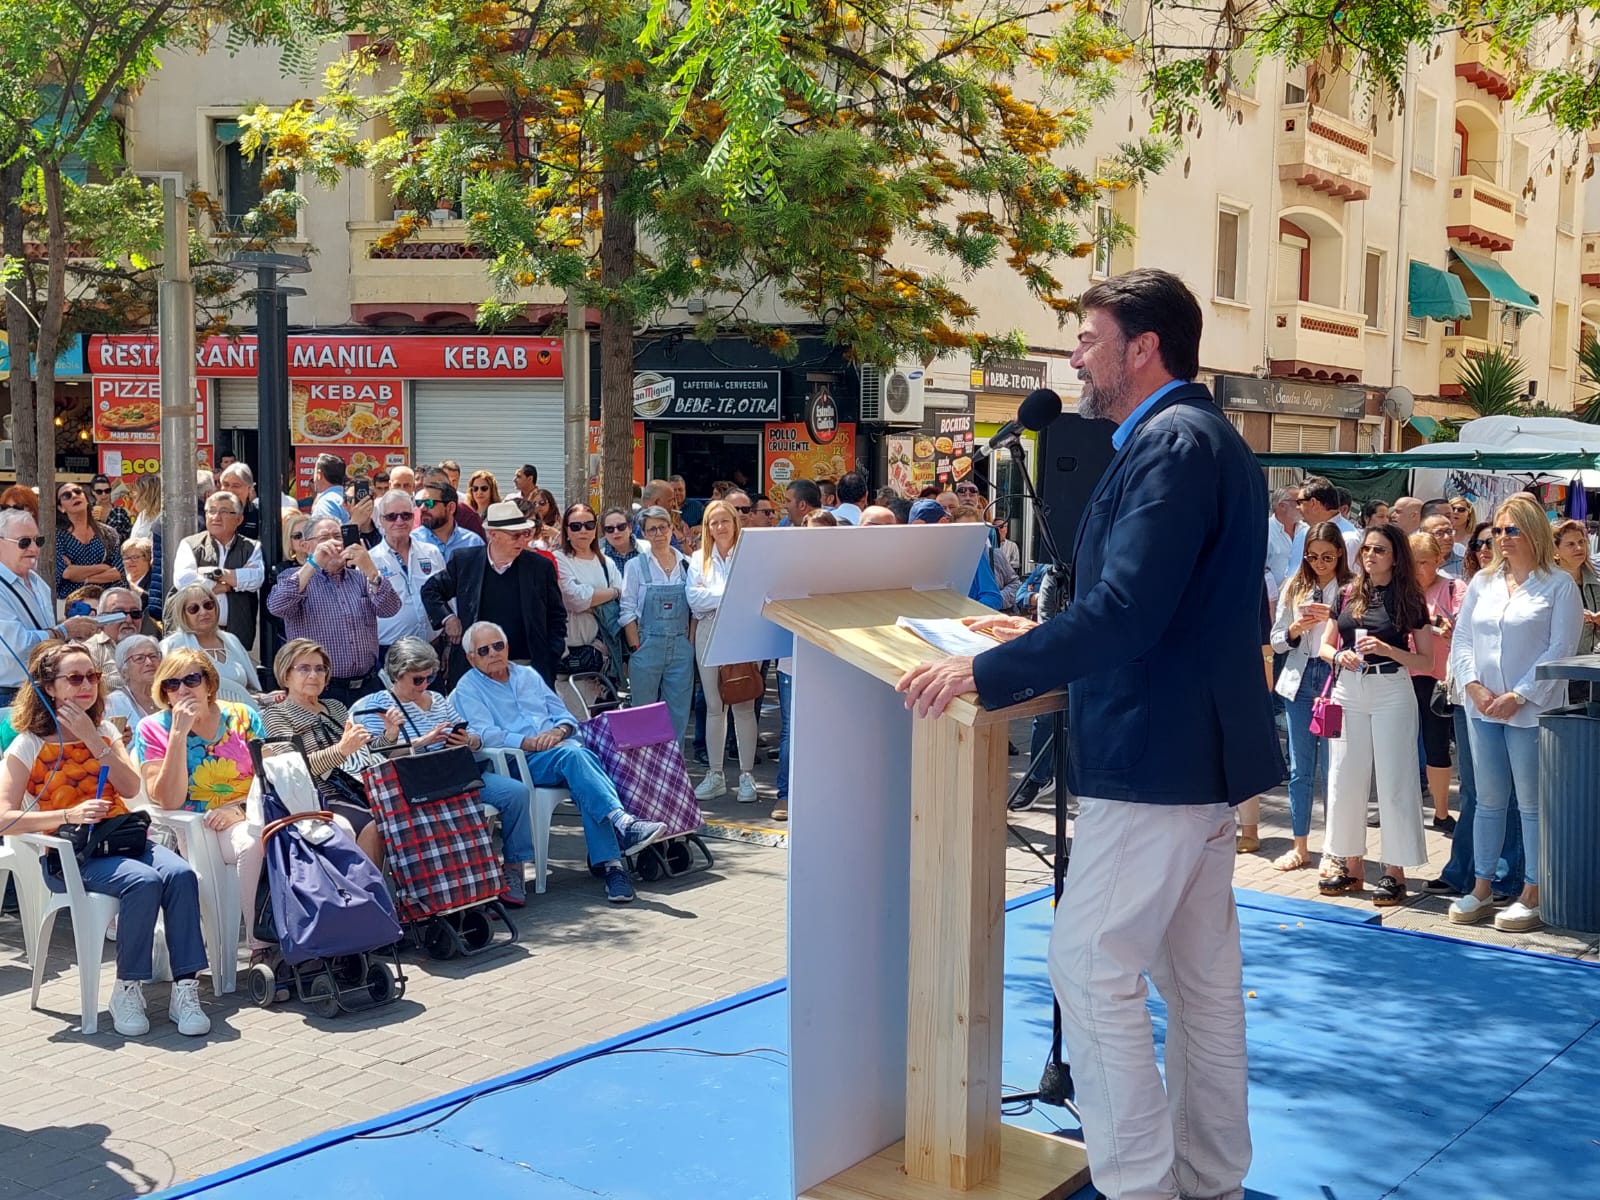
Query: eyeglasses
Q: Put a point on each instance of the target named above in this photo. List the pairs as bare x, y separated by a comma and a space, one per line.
127, 614
144, 656
24, 542
577, 525
102, 491
397, 517
742, 509
429, 504
1374, 549
422, 680
1506, 530
967, 489
310, 668
618, 528
1460, 508
1322, 558
78, 678
657, 530
1480, 544
69, 493
489, 648
480, 487
192, 680
199, 607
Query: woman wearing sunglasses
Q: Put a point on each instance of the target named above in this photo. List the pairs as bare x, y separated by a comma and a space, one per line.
192, 622
297, 544
591, 589
51, 777
1521, 611
618, 543
482, 491
547, 514
212, 774
655, 622
87, 551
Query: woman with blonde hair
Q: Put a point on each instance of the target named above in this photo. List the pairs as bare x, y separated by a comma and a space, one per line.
192, 625
1572, 556
708, 578
145, 501
482, 490
1520, 611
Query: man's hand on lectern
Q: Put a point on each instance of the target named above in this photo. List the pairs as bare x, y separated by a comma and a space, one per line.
1000, 627
930, 686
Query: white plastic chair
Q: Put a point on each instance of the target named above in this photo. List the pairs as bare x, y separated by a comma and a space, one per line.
542, 804
220, 918
91, 915
14, 866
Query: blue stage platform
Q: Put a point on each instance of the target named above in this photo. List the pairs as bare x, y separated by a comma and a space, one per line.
1382, 1064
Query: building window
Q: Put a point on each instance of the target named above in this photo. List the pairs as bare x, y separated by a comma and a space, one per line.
1294, 85
1233, 236
238, 176
1416, 327
1425, 135
1239, 74
1372, 288
1304, 435
1104, 222
1518, 180
1560, 346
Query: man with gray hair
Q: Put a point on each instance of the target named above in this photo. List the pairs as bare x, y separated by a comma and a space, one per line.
27, 602
227, 563
114, 602
240, 481
407, 563
510, 707
1283, 525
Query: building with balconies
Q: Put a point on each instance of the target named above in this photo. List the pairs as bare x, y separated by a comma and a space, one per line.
1322, 151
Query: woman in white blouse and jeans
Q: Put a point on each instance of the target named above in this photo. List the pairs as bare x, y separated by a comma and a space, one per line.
708, 577
1520, 611
587, 579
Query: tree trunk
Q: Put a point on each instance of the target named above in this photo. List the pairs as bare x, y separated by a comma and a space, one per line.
55, 307
19, 326
619, 243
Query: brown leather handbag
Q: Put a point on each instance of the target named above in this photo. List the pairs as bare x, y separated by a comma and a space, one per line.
739, 683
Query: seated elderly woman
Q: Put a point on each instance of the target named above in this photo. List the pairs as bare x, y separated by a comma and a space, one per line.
137, 657
213, 772
429, 721
50, 778
325, 733
192, 625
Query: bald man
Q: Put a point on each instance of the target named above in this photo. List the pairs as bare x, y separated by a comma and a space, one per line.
876, 514
1406, 514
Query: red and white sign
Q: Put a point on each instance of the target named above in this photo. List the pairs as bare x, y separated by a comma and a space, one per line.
129, 410
347, 412
320, 357
127, 463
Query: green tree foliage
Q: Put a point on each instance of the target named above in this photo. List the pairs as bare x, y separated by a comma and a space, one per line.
1494, 384
602, 148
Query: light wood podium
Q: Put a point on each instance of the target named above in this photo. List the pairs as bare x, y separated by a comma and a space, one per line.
896, 874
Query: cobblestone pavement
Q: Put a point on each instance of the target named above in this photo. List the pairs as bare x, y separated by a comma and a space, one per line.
99, 1117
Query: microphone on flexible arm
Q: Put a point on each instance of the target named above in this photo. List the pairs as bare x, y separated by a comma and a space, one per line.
1038, 409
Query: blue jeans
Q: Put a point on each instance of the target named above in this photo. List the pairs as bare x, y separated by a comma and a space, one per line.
1308, 755
510, 799
1504, 756
662, 669
785, 690
1459, 872
157, 882
575, 768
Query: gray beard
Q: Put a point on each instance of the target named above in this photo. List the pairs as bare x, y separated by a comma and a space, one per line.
1099, 405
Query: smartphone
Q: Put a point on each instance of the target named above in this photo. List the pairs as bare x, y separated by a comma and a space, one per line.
459, 727
120, 724
351, 534
363, 489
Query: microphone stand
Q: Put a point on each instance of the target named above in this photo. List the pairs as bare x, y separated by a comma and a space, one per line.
1055, 1084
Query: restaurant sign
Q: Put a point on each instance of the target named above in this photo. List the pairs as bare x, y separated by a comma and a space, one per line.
707, 395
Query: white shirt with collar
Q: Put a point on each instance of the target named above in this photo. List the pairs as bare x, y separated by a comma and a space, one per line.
643, 572
423, 561
707, 582
1502, 636
249, 577
27, 608
1280, 553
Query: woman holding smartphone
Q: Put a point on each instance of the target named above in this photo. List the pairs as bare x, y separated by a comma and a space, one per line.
1304, 607
1369, 640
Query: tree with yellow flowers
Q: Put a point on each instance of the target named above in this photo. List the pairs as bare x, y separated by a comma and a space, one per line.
592, 149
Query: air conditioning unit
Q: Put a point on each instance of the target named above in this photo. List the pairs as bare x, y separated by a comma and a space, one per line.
894, 396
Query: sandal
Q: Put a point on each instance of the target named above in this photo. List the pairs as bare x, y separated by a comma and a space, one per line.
1291, 860
1339, 882
1389, 892
1245, 844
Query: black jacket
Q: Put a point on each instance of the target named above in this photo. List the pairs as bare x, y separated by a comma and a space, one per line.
1161, 642
538, 587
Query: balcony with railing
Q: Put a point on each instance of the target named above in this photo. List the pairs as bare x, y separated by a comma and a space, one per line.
1455, 353
1312, 341
1589, 261
1324, 152
433, 276
1485, 67
1480, 213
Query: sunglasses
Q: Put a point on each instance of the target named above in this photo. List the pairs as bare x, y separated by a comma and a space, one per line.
1459, 509
24, 542
616, 528
78, 678
127, 614
397, 517
422, 680
1480, 544
192, 680
1322, 558
767, 511
489, 648
742, 509
102, 491
967, 489
577, 525
480, 487
199, 607
1506, 530
69, 493
429, 504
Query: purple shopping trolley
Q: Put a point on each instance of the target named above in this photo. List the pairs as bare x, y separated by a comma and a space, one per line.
639, 750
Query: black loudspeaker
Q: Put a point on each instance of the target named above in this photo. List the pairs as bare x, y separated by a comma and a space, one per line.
1073, 454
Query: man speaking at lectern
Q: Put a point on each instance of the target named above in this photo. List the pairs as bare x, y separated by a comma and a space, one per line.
1170, 725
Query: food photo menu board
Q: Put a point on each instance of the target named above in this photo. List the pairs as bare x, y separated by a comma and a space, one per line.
347, 412
127, 409
361, 460
789, 453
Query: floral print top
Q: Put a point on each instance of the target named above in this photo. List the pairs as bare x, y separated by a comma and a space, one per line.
220, 771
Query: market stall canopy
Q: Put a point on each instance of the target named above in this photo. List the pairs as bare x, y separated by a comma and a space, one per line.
1496, 281
1435, 294
1531, 445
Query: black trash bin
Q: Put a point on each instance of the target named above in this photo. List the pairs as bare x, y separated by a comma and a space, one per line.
1569, 805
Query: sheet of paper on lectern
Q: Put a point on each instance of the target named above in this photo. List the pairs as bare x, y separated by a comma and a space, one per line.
948, 634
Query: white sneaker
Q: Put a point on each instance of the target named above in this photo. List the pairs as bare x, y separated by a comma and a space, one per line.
1518, 917
712, 786
747, 788
127, 1008
185, 1011
1469, 910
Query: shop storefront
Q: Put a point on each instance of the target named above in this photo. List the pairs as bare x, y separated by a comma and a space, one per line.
1000, 388
490, 403
73, 415
1291, 416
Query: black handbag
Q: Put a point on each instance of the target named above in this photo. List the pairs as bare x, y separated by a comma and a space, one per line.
582, 660
426, 775
1439, 703
122, 836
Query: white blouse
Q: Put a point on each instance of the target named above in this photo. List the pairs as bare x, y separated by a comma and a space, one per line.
235, 667
581, 578
707, 582
643, 572
1502, 636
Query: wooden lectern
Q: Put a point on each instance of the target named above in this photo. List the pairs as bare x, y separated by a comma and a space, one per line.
896, 874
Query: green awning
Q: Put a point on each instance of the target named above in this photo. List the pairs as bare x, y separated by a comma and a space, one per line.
1496, 282
1435, 294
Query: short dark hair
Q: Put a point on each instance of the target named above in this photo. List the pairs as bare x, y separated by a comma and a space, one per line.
332, 468
1345, 498
529, 472
1315, 487
380, 476
1435, 508
852, 488
1149, 300
900, 507
446, 490
806, 491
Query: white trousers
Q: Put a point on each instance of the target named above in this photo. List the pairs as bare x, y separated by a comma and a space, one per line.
1379, 740
1150, 891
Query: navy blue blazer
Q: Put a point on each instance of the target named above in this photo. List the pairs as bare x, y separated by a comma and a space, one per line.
1161, 643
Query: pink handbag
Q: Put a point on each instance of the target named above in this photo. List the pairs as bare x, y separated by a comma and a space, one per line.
1327, 714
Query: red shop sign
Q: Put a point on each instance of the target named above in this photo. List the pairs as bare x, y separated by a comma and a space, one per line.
343, 357
129, 410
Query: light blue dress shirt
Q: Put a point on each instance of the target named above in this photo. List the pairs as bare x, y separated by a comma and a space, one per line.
502, 714
1131, 422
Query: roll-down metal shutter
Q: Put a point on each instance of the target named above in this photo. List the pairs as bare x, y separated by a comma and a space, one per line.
490, 425
237, 405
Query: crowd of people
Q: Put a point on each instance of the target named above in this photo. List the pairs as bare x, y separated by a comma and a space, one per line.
1426, 626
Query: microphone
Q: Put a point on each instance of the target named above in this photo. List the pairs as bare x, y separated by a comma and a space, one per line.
1038, 409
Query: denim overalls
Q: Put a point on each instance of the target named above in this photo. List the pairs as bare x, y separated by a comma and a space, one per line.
662, 668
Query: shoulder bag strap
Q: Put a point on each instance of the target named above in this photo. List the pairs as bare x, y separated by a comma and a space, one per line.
26, 607
405, 716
